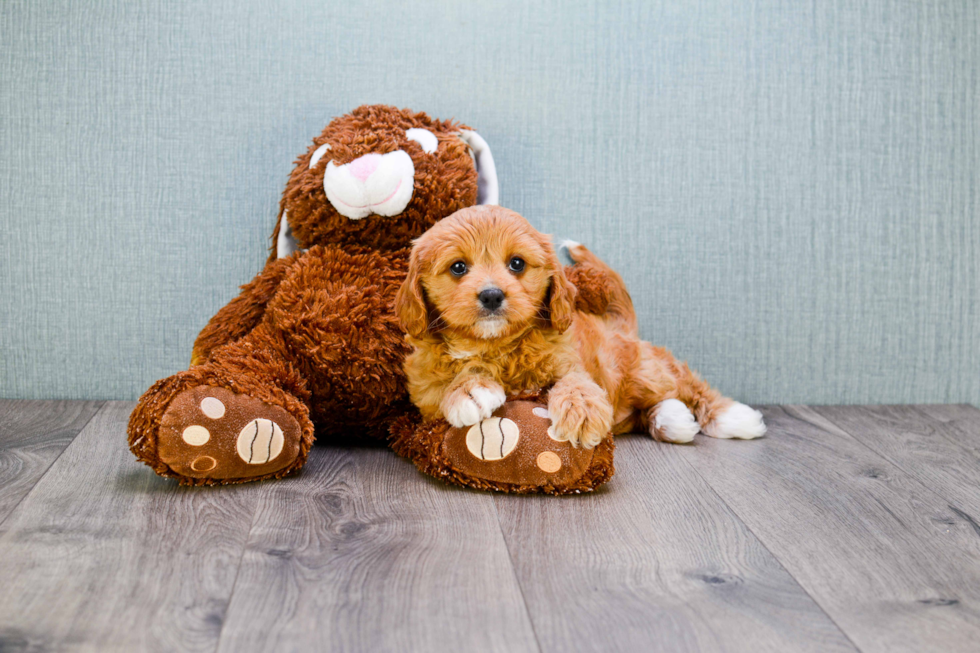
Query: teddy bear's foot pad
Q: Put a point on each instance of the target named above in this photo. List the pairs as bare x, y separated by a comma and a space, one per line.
513, 451
210, 432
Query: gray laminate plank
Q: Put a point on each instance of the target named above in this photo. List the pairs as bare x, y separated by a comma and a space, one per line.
963, 419
367, 554
32, 435
103, 555
952, 412
936, 453
886, 558
655, 561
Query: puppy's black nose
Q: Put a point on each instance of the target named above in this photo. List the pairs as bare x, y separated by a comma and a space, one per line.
491, 298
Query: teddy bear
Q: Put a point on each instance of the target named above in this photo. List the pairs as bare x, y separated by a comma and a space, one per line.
311, 347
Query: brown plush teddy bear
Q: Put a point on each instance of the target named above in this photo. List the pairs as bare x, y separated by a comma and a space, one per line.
312, 345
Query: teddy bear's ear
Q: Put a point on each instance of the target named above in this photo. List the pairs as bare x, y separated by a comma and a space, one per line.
488, 192
283, 242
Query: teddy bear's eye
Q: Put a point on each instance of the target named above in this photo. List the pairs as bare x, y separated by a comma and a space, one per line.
423, 137
320, 151
458, 268
516, 264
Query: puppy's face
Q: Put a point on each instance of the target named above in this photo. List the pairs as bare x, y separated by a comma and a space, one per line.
487, 278
484, 272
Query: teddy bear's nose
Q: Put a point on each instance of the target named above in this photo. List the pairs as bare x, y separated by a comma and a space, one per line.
362, 167
491, 298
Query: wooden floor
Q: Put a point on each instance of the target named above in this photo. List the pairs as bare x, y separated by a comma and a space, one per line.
846, 528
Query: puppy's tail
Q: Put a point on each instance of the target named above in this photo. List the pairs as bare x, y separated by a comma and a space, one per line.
601, 289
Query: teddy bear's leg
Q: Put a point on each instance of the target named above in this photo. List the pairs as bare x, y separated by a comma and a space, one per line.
335, 311
241, 314
240, 416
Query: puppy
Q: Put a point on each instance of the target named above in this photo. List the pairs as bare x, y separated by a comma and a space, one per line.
490, 311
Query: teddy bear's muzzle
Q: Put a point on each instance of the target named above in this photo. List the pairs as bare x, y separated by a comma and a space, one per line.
380, 184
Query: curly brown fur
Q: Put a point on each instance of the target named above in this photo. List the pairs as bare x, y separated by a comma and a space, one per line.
243, 313
593, 285
445, 181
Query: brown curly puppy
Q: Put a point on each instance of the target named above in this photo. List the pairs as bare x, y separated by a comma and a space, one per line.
491, 313
313, 339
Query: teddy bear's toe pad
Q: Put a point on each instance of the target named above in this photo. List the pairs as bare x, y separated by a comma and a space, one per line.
210, 432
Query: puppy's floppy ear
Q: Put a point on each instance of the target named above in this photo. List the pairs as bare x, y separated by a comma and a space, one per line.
410, 301
561, 294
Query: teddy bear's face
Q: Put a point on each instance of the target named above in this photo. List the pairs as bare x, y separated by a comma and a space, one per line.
379, 177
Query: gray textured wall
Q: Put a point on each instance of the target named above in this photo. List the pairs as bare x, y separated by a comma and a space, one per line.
790, 188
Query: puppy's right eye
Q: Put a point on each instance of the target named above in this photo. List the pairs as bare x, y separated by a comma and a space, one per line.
458, 268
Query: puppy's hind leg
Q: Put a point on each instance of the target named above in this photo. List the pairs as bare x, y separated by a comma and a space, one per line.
737, 421
653, 393
672, 421
719, 416
676, 403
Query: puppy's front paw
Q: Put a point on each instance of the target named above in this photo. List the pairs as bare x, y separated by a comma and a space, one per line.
582, 414
471, 403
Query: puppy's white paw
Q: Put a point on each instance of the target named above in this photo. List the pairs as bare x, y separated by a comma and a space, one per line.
738, 421
463, 412
672, 421
489, 398
464, 407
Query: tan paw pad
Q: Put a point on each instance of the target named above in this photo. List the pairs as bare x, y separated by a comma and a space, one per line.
196, 435
493, 438
212, 407
549, 462
260, 441
204, 464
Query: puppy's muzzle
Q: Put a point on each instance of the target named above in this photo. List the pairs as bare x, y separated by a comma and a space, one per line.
491, 299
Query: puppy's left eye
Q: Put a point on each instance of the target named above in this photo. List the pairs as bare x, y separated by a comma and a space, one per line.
516, 264
423, 137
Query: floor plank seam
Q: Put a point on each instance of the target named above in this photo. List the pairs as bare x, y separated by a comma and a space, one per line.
13, 509
765, 546
238, 571
513, 570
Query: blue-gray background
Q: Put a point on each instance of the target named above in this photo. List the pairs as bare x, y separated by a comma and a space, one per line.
791, 189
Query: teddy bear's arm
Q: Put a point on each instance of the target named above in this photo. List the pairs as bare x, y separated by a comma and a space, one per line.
242, 313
